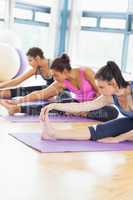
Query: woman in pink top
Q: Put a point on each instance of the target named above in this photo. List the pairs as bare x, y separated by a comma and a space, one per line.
86, 91
80, 81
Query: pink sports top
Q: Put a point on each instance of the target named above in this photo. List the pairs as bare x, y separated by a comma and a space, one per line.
85, 92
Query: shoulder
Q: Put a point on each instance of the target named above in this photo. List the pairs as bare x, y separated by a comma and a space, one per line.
76, 71
88, 70
81, 69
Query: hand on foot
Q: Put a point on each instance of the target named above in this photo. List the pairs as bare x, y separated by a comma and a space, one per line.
10, 108
47, 132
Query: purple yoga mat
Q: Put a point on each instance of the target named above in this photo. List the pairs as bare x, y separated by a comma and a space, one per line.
54, 118
34, 141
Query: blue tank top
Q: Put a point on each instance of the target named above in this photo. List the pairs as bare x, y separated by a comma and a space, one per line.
116, 102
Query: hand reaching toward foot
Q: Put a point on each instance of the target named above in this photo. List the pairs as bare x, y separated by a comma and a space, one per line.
11, 108
47, 130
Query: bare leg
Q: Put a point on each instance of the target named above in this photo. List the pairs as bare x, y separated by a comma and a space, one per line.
72, 134
120, 138
5, 93
12, 108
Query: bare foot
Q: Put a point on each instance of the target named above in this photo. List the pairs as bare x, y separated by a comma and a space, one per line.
110, 140
47, 132
10, 107
45, 136
12, 101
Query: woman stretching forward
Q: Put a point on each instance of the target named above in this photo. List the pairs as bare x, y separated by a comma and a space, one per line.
80, 81
114, 89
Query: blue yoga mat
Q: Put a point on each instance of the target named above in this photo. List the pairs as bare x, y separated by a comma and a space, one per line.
34, 141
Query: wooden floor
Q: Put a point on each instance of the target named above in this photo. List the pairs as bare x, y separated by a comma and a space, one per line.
28, 175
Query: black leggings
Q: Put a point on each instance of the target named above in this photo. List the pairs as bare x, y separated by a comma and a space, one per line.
111, 129
104, 114
22, 91
34, 108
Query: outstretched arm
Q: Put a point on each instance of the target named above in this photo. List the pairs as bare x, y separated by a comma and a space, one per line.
43, 94
78, 107
17, 80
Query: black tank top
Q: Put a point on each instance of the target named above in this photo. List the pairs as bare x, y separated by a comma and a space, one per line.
49, 79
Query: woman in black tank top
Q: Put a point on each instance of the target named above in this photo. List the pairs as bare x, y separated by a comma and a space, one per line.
40, 66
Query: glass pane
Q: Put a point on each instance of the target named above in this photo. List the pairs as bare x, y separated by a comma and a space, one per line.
1, 25
22, 14
96, 48
88, 21
113, 23
42, 17
34, 36
104, 5
2, 8
130, 56
40, 2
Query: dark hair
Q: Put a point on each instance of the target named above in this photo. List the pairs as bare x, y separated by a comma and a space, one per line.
61, 63
35, 51
111, 71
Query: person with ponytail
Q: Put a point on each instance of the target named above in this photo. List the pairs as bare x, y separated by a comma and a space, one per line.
79, 81
114, 89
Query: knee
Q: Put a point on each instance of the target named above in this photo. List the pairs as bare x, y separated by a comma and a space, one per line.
97, 132
110, 113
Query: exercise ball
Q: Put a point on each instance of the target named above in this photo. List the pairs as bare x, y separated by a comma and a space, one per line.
23, 62
9, 62
11, 38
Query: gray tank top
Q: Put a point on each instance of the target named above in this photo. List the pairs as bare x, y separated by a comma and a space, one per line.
116, 102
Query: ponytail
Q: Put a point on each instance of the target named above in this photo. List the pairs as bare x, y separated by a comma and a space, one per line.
112, 71
61, 63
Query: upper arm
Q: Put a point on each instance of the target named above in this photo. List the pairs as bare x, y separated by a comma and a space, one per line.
90, 76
